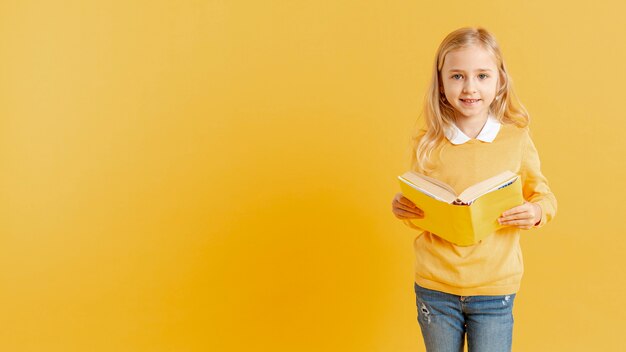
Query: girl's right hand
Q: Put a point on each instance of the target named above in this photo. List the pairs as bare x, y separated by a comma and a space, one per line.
403, 208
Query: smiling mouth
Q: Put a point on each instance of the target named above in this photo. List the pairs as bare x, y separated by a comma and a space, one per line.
469, 100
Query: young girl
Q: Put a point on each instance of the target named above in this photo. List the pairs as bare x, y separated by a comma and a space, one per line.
475, 129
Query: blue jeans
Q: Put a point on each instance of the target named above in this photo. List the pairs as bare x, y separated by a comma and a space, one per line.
445, 318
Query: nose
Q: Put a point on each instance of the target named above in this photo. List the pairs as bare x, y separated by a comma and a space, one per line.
469, 86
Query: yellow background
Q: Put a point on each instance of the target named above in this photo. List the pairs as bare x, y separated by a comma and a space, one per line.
218, 175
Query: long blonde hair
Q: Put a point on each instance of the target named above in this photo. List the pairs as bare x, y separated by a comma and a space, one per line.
437, 111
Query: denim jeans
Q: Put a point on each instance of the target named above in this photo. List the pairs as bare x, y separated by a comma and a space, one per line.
444, 320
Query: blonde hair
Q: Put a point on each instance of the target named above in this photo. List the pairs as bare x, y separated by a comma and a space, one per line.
437, 111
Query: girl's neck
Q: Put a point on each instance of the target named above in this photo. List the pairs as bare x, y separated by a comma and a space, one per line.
471, 126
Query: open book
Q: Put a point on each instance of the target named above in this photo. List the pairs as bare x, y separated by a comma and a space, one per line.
468, 217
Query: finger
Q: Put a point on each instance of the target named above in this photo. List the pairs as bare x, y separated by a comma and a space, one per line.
518, 216
516, 210
523, 222
406, 201
416, 211
399, 205
513, 221
402, 214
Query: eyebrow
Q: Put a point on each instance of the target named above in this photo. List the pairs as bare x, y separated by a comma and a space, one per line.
477, 70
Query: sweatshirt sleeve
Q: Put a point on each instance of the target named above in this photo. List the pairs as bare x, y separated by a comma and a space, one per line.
413, 165
535, 185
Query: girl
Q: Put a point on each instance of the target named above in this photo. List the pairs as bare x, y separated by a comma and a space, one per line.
475, 129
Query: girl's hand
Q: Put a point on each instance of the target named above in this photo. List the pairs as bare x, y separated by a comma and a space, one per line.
403, 208
523, 216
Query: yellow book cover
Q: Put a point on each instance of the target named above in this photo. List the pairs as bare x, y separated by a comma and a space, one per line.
468, 217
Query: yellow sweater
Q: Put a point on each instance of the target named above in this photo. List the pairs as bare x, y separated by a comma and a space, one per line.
495, 265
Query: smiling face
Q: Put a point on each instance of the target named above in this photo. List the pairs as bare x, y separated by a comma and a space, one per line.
470, 78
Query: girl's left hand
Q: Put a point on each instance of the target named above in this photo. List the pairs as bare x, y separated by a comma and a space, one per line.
524, 216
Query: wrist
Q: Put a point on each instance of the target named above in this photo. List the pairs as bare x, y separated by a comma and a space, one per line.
538, 214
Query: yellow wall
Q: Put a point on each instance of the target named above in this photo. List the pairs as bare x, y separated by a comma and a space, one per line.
217, 175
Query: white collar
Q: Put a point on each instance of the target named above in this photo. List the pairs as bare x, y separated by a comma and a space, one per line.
487, 134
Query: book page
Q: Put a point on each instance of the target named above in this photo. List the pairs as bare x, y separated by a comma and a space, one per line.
486, 186
422, 190
429, 186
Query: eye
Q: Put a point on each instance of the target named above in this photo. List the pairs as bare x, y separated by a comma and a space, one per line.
453, 76
482, 74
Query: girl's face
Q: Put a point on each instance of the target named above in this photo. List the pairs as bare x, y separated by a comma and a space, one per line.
470, 79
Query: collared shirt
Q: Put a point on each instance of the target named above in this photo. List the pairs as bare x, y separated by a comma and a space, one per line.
487, 134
